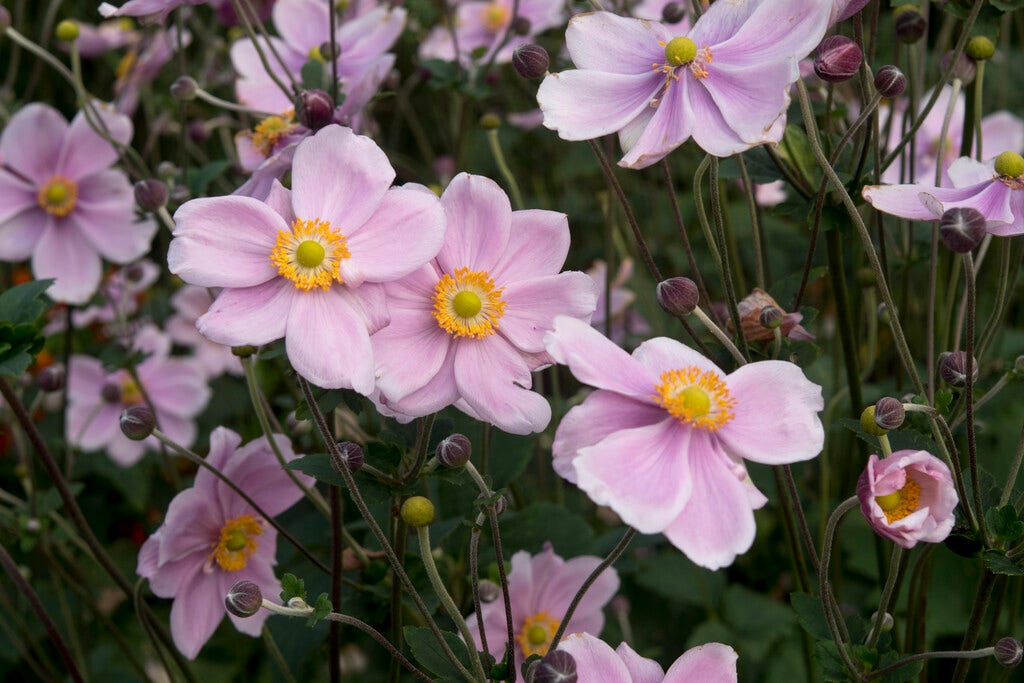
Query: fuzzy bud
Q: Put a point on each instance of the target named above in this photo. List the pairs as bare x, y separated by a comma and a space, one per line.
953, 368
889, 413
490, 121
51, 378
964, 69
198, 131
137, 422
980, 48
962, 229
151, 194
771, 317
1009, 652
869, 424
489, 591
890, 81
673, 13
556, 667
887, 621
910, 24
184, 88
417, 512
678, 296
314, 109
350, 455
67, 31
454, 451
838, 58
521, 26
244, 599
531, 61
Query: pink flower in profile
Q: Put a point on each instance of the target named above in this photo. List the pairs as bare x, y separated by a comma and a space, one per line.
190, 303
597, 662
97, 397
725, 82
96, 39
62, 204
663, 439
474, 318
540, 589
211, 538
908, 497
308, 264
485, 26
156, 10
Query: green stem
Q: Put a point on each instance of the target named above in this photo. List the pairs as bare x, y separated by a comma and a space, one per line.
506, 172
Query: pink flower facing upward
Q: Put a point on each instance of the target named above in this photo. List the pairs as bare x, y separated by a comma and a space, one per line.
908, 497
176, 386
663, 439
307, 264
726, 82
475, 317
189, 304
212, 538
483, 26
540, 589
597, 662
995, 189
62, 205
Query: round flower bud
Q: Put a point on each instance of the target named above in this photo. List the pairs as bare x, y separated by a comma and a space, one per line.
673, 13
134, 273
980, 48
198, 131
556, 667
137, 422
500, 504
184, 88
531, 61
329, 50
454, 451
953, 368
889, 413
244, 599
1010, 164
5, 18
51, 378
868, 423
838, 58
243, 351
488, 590
349, 454
417, 511
166, 170
890, 81
110, 392
962, 229
678, 296
314, 109
1009, 652
964, 69
490, 121
887, 621
151, 194
67, 31
521, 26
771, 317
910, 24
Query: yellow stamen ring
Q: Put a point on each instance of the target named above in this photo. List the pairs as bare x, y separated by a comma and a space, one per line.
899, 504
496, 16
310, 254
237, 542
699, 398
57, 196
270, 130
535, 636
469, 304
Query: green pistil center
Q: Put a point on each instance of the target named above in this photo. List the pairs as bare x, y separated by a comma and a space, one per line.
537, 635
237, 540
696, 401
466, 304
310, 254
680, 50
888, 502
1010, 164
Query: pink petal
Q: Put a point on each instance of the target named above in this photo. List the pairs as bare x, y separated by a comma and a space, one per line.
178, 387
249, 315
255, 469
532, 306
302, 23
411, 334
749, 32
84, 151
223, 444
1017, 226
85, 379
126, 453
364, 39
1001, 132
965, 172
556, 589
196, 613
91, 427
711, 662
597, 361
169, 579
604, 41
255, 88
918, 202
105, 214
16, 196
751, 98
190, 526
714, 134
641, 669
596, 661
31, 141
327, 341
479, 217
20, 234
538, 243
661, 354
64, 253
672, 123
585, 104
440, 391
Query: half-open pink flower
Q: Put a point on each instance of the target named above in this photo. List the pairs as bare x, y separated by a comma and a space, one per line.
725, 81
597, 662
908, 497
212, 538
308, 264
663, 439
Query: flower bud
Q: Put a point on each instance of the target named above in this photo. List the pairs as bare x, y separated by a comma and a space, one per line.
1010, 164
67, 31
198, 131
329, 51
137, 422
454, 451
488, 590
953, 368
244, 599
350, 455
151, 194
838, 58
521, 26
889, 413
890, 81
5, 19
910, 24
110, 392
184, 88
1009, 652
887, 621
531, 61
556, 667
868, 423
314, 109
134, 273
771, 317
417, 512
964, 69
51, 378
490, 121
962, 229
980, 48
166, 170
678, 296
500, 504
673, 13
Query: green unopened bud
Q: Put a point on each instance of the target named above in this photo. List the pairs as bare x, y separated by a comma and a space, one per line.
1010, 164
67, 31
980, 48
490, 121
868, 424
417, 512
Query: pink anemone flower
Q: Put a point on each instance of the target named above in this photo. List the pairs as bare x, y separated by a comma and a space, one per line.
308, 264
725, 82
540, 589
908, 497
487, 26
156, 10
663, 439
474, 318
597, 662
62, 204
211, 538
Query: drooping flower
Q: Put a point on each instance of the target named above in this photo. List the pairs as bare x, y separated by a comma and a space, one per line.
540, 589
663, 439
190, 303
597, 661
726, 82
908, 497
308, 264
474, 318
60, 202
480, 28
750, 308
624, 319
176, 387
211, 538
156, 10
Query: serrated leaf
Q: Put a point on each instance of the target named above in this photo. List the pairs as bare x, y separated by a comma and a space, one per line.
321, 609
428, 652
810, 614
998, 563
1004, 523
21, 304
292, 587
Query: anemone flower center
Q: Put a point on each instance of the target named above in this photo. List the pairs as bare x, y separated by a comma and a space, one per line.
270, 130
469, 304
125, 66
314, 54
496, 16
309, 254
683, 51
535, 636
237, 542
130, 392
698, 398
899, 504
57, 196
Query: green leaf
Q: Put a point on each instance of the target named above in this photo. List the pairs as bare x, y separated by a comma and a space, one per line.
810, 614
428, 653
907, 672
321, 609
318, 466
21, 304
314, 75
292, 587
1004, 523
998, 563
199, 178
671, 575
19, 343
326, 399
533, 526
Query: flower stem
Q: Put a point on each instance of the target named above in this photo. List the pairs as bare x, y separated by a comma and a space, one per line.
887, 593
972, 449
506, 172
833, 617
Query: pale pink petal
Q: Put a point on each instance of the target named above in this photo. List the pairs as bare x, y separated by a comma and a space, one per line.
167, 580
1001, 132
411, 334
250, 315
711, 662
254, 469
223, 444
672, 123
440, 391
597, 361
714, 134
604, 41
190, 526
596, 661
327, 341
584, 104
254, 87
662, 354
126, 452
641, 669
965, 172
479, 217
181, 430
774, 30
919, 202
91, 427
64, 253
196, 613
16, 196
105, 214
1017, 226
31, 141
302, 23
279, 198
532, 306
750, 98
364, 39
20, 233
177, 388
86, 377
554, 590
85, 152
538, 242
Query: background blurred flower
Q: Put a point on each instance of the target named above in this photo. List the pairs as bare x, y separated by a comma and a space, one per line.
190, 303
481, 28
597, 661
624, 319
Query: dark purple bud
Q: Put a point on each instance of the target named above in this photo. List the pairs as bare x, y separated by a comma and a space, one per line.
556, 667
454, 451
314, 109
137, 422
889, 413
838, 59
521, 26
198, 131
134, 273
910, 24
673, 13
890, 81
489, 591
962, 229
51, 378
678, 295
111, 392
771, 317
329, 51
349, 454
1009, 652
965, 69
953, 368
531, 61
500, 504
151, 194
244, 599
184, 88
